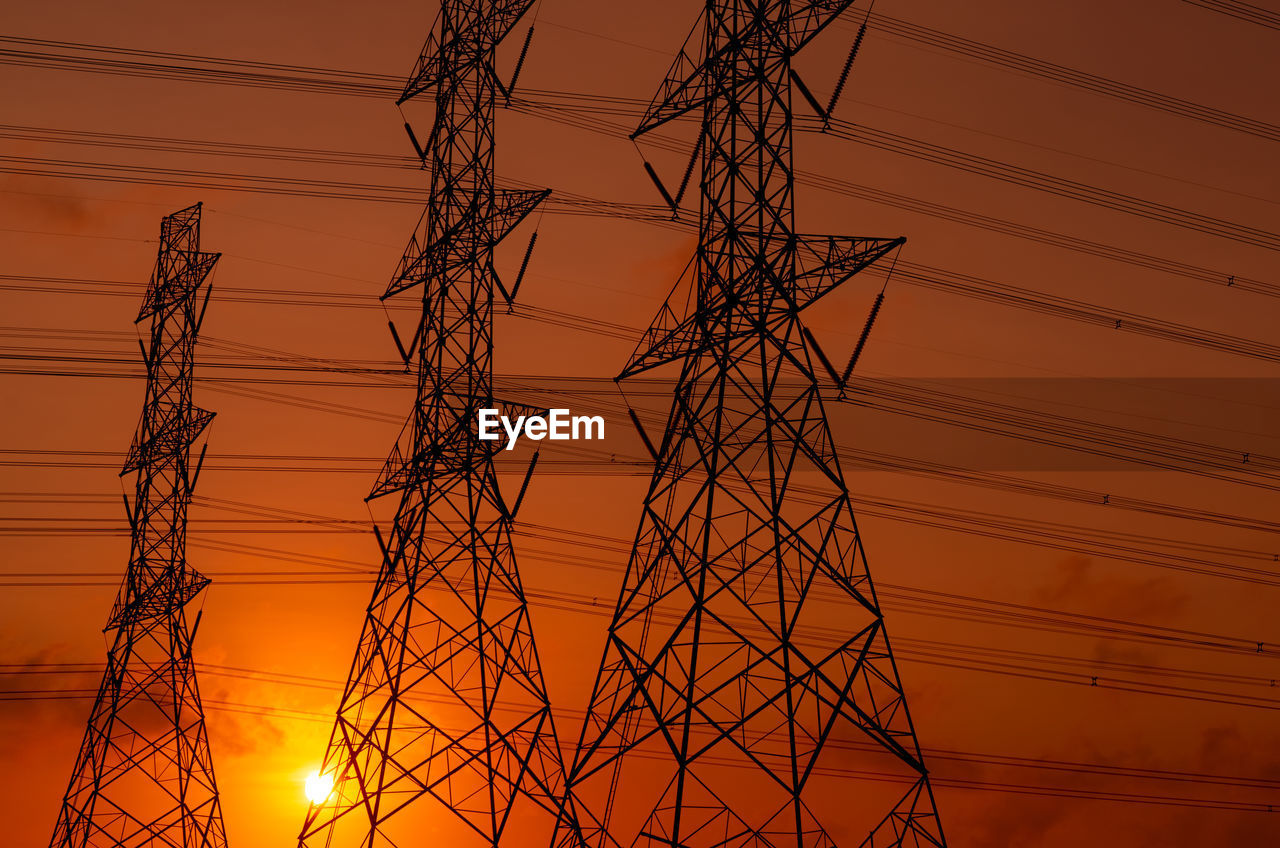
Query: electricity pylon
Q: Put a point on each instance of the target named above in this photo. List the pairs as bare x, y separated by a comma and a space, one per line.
144, 775
747, 642
444, 720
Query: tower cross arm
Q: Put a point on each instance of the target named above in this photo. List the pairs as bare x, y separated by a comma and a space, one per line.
513, 205
824, 263
175, 278
172, 437
684, 88
438, 58
668, 339
422, 261
812, 17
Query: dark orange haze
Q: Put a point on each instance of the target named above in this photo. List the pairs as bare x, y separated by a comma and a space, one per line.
276, 641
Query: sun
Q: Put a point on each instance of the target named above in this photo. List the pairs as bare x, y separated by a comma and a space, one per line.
318, 787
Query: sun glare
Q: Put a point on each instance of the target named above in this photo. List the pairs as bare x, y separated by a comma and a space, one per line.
318, 787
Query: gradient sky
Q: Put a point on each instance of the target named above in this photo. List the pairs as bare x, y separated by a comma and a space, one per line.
297, 447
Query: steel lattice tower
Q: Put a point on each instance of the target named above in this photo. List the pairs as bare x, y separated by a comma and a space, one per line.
144, 775
445, 715
720, 663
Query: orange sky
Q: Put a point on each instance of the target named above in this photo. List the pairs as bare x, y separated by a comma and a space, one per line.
62, 436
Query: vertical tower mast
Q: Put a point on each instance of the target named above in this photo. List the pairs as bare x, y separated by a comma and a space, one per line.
144, 775
727, 663
445, 711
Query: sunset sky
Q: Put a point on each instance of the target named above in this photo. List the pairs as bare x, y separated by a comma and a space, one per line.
1089, 645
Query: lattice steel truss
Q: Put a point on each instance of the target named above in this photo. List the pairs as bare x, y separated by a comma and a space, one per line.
445, 717
144, 775
725, 680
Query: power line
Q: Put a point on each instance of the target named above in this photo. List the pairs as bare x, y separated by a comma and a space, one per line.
966, 757
1114, 676
913, 273
1053, 429
1123, 547
1008, 295
1232, 804
152, 64
907, 598
1048, 183
825, 182
1241, 11
587, 118
1061, 74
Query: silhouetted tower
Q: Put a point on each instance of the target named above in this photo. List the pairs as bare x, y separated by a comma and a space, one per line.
144, 776
747, 659
444, 727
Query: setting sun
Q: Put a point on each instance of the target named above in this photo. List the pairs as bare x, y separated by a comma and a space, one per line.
318, 787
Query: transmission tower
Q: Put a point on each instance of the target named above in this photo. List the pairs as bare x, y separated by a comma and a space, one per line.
444, 721
144, 775
727, 678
